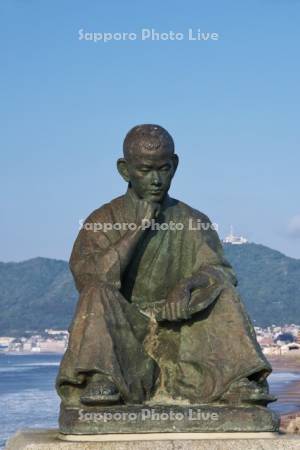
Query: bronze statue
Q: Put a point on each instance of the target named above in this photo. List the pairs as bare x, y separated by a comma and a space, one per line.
159, 319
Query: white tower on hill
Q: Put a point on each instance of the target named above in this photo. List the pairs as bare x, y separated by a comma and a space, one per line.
233, 239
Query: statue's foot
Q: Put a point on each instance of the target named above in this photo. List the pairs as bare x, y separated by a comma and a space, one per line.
246, 391
100, 392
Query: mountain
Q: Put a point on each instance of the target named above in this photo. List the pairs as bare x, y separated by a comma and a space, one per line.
40, 293
269, 283
34, 295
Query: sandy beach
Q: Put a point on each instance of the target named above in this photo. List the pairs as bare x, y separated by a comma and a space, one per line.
288, 390
286, 362
286, 368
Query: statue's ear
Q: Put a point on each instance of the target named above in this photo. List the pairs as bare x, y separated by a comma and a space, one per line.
175, 160
123, 169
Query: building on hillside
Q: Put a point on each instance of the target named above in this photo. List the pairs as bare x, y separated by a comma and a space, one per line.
5, 342
265, 341
52, 332
51, 346
234, 239
292, 346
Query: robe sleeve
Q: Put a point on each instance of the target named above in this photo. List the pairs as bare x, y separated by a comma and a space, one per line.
210, 261
210, 256
94, 258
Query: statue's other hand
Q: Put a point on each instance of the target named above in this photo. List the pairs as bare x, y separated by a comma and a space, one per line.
176, 306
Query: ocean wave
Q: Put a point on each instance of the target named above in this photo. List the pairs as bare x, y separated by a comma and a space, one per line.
30, 408
38, 364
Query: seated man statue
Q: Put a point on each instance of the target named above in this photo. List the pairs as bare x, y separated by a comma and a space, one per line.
158, 319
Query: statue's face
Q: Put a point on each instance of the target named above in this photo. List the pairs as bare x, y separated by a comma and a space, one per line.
150, 175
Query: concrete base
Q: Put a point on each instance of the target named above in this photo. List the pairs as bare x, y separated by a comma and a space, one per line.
49, 440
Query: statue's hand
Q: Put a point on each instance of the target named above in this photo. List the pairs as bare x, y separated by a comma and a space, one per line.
126, 245
176, 307
146, 211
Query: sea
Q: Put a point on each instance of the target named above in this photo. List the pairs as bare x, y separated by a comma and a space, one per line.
28, 398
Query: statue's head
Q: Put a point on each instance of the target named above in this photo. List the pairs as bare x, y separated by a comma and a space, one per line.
149, 162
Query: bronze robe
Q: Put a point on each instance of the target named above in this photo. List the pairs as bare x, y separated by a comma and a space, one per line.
195, 360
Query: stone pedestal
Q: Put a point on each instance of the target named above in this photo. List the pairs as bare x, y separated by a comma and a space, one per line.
166, 419
49, 440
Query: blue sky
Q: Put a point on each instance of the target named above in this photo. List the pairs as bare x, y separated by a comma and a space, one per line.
232, 106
